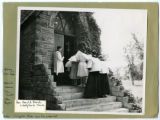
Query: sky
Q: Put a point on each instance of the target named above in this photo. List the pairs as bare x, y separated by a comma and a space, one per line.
116, 27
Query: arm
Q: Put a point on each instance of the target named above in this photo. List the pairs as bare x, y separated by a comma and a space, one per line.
89, 64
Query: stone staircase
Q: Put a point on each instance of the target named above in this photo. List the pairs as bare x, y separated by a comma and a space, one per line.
72, 98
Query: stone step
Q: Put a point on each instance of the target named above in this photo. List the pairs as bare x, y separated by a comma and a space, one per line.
97, 107
83, 101
71, 89
119, 110
71, 96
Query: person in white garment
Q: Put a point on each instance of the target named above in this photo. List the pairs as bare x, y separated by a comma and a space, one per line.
58, 65
82, 72
72, 66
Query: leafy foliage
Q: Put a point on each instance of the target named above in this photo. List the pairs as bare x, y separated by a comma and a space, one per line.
134, 56
94, 34
130, 96
136, 107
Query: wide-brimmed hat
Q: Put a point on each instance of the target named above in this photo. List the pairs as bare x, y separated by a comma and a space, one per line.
73, 59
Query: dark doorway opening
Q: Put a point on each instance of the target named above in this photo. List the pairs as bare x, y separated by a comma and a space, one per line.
69, 47
69, 50
68, 44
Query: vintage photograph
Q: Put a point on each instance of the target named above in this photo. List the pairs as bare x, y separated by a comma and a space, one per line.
83, 60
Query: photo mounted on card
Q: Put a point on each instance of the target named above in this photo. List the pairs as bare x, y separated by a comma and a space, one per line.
75, 61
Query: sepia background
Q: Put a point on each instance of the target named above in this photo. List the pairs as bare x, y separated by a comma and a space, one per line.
150, 48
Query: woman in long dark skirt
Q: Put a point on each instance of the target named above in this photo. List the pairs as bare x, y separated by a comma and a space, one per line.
91, 89
104, 84
104, 77
93, 86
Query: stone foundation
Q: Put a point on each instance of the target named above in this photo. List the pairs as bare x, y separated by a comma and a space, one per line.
44, 87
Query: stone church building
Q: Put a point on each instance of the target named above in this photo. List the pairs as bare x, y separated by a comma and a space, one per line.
40, 34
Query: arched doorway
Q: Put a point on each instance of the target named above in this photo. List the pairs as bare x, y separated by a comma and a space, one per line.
64, 36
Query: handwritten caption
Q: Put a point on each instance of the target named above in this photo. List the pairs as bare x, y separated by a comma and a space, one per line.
8, 71
37, 106
9, 84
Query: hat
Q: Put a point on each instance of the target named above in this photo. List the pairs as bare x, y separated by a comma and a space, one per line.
73, 59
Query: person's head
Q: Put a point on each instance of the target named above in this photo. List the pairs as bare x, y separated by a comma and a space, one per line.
104, 57
100, 57
59, 48
94, 53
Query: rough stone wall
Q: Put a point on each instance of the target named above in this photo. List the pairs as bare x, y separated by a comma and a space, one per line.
36, 47
44, 42
36, 59
44, 56
44, 87
27, 37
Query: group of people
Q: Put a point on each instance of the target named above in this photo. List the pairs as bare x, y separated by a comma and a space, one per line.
89, 70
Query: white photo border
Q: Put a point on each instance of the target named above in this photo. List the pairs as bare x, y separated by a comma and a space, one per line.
77, 10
